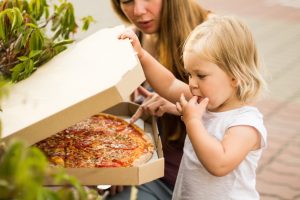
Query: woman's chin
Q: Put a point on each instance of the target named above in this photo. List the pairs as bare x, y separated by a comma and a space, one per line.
148, 30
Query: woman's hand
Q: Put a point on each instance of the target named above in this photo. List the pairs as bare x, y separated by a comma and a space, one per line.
153, 105
192, 109
130, 34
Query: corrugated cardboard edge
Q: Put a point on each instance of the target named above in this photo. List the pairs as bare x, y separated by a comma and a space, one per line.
146, 171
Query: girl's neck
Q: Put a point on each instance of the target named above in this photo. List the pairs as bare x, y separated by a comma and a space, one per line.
226, 106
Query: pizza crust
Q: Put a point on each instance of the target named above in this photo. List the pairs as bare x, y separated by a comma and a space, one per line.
146, 156
142, 159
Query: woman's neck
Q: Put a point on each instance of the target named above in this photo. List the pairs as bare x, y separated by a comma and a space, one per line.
149, 43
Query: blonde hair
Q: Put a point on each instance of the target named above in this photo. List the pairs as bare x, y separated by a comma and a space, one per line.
228, 43
178, 19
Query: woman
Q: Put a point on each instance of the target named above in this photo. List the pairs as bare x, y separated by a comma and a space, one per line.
162, 27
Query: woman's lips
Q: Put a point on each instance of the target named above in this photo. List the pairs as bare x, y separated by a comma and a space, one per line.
145, 24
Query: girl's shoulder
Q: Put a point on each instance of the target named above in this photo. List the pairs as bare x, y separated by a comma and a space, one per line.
237, 112
247, 114
251, 116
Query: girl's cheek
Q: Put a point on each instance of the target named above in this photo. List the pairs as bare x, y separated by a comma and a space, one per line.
209, 105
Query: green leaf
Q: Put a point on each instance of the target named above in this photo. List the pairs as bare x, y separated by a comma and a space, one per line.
36, 40
25, 37
29, 68
17, 18
3, 35
64, 42
49, 195
16, 71
34, 26
23, 58
86, 22
34, 53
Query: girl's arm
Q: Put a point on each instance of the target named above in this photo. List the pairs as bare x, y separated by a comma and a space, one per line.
160, 79
218, 157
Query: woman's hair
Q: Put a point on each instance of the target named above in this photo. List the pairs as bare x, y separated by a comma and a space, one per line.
178, 19
228, 42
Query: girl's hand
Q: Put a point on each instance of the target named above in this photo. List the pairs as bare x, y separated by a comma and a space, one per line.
130, 34
191, 109
153, 105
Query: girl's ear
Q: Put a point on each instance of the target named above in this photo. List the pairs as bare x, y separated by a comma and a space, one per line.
233, 82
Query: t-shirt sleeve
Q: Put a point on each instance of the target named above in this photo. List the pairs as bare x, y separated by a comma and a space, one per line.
255, 119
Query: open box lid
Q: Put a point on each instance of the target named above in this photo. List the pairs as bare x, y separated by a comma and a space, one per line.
90, 76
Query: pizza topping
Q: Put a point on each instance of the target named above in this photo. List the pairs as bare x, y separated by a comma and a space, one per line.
57, 160
101, 141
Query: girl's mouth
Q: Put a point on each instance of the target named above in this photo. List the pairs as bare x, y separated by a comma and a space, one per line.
200, 99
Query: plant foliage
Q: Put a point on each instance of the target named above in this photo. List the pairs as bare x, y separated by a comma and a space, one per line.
22, 174
30, 36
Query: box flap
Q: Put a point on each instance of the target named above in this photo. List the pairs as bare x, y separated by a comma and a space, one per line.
90, 76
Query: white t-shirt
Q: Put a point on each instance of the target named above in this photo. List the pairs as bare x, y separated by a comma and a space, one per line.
193, 180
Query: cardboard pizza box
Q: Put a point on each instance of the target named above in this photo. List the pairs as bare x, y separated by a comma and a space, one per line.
89, 77
149, 171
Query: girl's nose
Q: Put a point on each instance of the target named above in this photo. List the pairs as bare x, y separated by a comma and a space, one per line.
140, 7
192, 82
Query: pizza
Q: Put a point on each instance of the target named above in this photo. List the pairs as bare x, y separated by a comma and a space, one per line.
102, 140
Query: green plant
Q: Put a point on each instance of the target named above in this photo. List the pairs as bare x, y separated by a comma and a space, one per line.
23, 171
30, 36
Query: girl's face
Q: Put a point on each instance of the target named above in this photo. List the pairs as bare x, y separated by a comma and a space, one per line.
206, 79
144, 14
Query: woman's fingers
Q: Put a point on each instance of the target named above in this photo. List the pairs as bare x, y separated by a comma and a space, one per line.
139, 112
144, 108
143, 91
153, 106
160, 111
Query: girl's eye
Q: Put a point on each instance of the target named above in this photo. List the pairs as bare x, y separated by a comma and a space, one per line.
125, 1
201, 76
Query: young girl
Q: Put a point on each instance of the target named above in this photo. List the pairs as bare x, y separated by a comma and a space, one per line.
226, 134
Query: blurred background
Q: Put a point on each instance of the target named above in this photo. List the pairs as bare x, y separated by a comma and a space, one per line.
276, 27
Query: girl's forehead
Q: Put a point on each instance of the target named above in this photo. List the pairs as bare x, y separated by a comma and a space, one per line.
196, 63
192, 59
